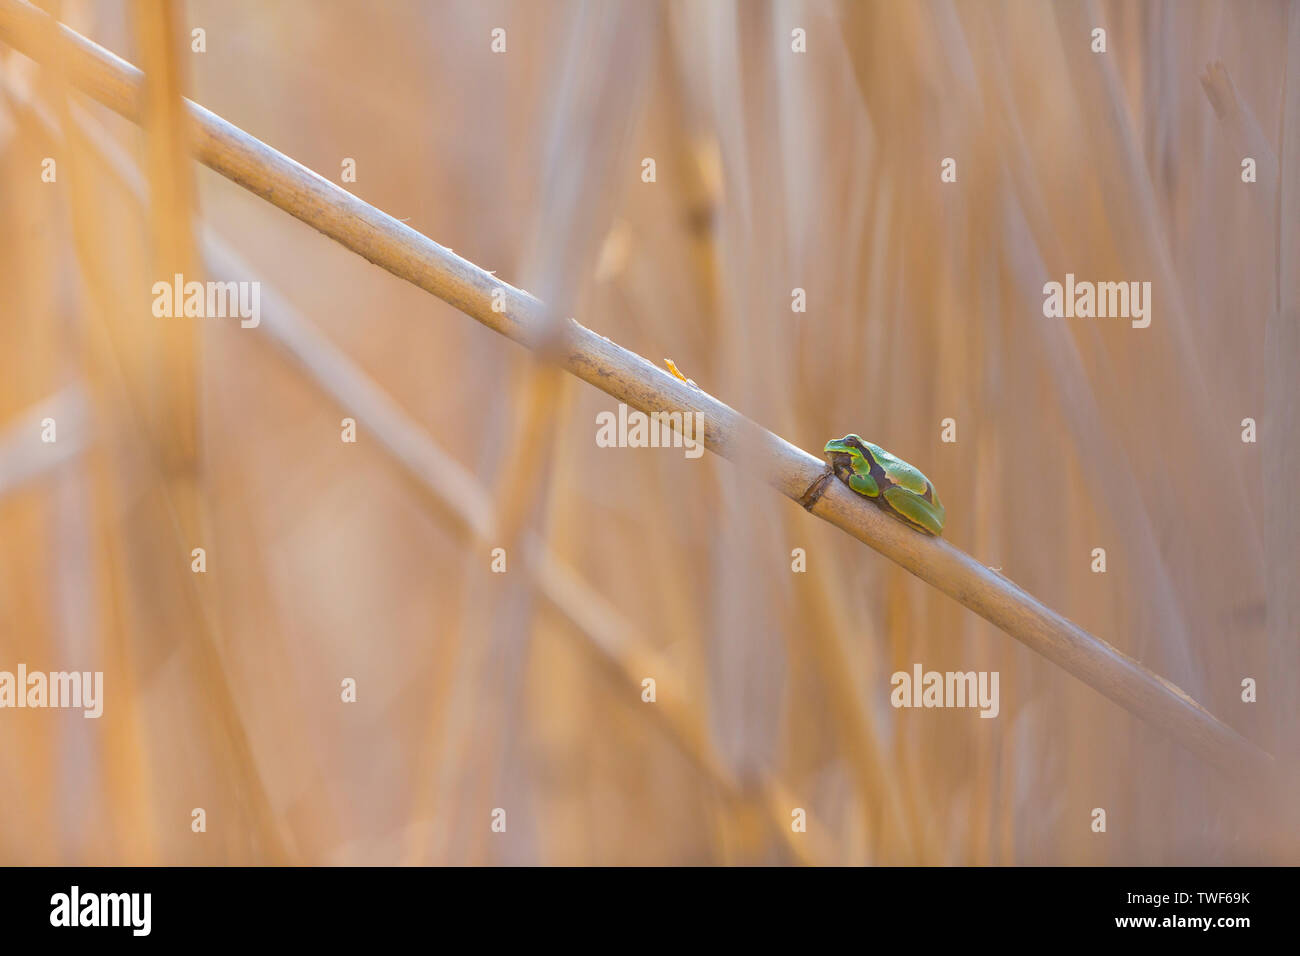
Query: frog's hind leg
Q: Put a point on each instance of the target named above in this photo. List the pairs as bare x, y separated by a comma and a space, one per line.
915, 511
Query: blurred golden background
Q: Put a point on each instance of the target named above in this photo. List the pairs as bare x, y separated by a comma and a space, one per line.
775, 170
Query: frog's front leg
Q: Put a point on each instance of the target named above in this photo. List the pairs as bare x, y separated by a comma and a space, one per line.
864, 484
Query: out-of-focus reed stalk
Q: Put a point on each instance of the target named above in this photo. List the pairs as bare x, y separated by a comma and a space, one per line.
21, 460
448, 487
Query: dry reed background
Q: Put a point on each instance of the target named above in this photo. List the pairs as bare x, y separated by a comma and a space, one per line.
775, 171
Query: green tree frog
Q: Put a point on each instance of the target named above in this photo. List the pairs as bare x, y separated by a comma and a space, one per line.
896, 487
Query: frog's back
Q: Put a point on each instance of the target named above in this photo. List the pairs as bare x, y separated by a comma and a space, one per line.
900, 472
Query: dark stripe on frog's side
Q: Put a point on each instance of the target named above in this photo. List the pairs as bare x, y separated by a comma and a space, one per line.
928, 494
843, 466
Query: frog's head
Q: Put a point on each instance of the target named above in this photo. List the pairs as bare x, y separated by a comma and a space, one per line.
848, 456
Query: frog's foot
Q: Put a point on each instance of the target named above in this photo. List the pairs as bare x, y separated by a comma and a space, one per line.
814, 492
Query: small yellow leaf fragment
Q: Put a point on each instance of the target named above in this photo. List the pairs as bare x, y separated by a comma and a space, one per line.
672, 367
